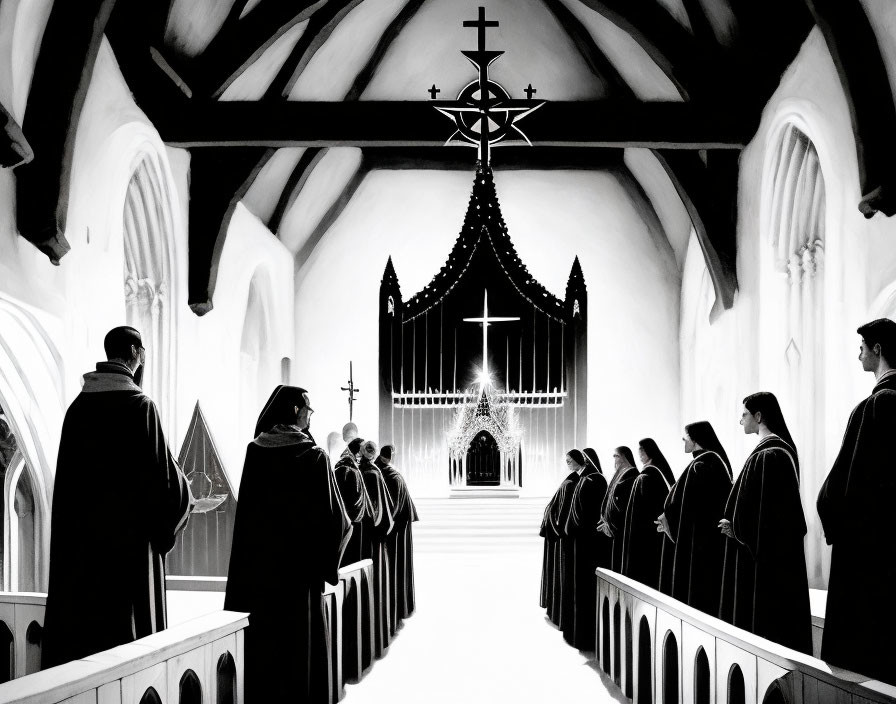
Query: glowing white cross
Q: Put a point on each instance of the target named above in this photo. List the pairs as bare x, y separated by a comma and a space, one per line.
486, 321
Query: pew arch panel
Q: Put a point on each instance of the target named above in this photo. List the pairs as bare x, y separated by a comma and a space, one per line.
183, 670
628, 671
617, 644
697, 646
669, 684
225, 680
668, 635
769, 675
189, 689
728, 657
606, 636
7, 653
137, 686
226, 670
151, 696
736, 686
644, 622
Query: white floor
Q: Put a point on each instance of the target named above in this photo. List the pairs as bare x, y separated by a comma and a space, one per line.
478, 636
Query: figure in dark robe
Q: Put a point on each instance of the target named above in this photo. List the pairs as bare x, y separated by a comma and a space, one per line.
590, 549
643, 545
615, 504
855, 507
765, 587
377, 525
354, 496
288, 550
119, 500
691, 567
550, 560
561, 604
400, 543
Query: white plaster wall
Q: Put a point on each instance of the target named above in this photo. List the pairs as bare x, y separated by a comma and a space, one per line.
633, 287
859, 268
72, 306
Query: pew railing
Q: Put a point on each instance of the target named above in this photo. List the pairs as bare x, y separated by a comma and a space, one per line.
199, 660
21, 633
665, 652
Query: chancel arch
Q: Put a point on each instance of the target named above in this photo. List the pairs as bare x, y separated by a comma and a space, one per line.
792, 290
259, 371
150, 280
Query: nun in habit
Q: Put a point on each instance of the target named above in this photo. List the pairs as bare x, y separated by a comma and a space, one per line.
554, 527
615, 504
286, 550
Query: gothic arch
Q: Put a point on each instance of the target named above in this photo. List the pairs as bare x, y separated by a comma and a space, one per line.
31, 398
259, 366
670, 669
24, 522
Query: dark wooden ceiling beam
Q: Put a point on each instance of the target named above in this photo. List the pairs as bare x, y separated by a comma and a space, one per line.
522, 158
219, 178
595, 59
366, 74
863, 75
240, 42
684, 58
294, 184
611, 123
321, 25
709, 193
14, 148
59, 85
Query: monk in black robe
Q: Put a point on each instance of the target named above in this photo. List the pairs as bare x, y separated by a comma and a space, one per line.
377, 525
590, 549
119, 496
615, 504
400, 543
283, 554
642, 545
550, 560
562, 582
765, 587
855, 507
354, 497
691, 569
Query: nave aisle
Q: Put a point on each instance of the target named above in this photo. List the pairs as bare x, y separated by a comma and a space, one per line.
478, 636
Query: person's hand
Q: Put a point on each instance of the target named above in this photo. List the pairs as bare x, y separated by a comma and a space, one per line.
662, 525
605, 529
725, 527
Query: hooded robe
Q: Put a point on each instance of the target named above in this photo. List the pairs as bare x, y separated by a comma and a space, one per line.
399, 544
282, 554
119, 495
377, 525
765, 587
590, 549
691, 568
354, 496
562, 604
549, 556
856, 507
642, 544
613, 510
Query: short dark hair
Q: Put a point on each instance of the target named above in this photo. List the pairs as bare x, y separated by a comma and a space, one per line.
118, 341
881, 332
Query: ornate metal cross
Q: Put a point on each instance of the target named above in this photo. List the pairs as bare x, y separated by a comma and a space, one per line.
486, 321
484, 112
352, 390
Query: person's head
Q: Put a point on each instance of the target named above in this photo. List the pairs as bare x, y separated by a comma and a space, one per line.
763, 410
878, 344
623, 458
369, 450
387, 452
287, 405
591, 456
649, 453
702, 436
124, 344
575, 460
354, 446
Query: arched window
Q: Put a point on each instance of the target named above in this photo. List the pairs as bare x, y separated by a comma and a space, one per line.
645, 664
629, 655
148, 281
259, 371
7, 653
189, 691
33, 638
792, 310
736, 690
702, 694
150, 696
20, 515
617, 645
670, 669
226, 680
605, 636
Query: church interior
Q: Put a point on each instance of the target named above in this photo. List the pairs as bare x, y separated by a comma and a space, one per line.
688, 201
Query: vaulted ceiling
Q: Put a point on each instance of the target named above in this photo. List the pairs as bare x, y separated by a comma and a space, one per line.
263, 92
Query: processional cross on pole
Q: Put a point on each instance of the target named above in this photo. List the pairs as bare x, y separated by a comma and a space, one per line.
352, 390
484, 112
486, 321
